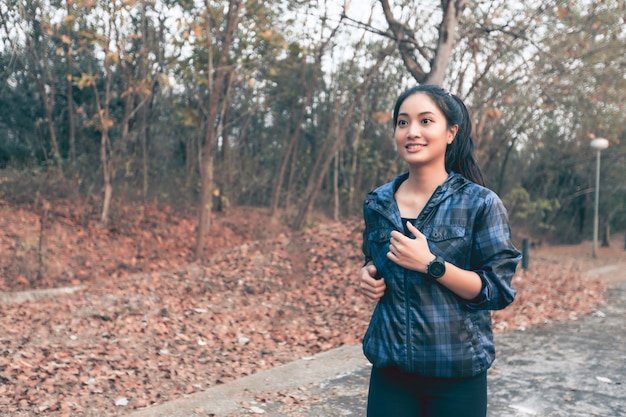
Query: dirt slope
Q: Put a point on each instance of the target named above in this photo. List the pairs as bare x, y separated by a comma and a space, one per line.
148, 325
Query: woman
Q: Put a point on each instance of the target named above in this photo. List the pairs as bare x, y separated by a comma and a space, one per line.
439, 257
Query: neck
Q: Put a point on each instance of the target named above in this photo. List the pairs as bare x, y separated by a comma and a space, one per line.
425, 179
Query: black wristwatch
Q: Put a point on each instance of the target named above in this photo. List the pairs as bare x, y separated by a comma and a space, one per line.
436, 268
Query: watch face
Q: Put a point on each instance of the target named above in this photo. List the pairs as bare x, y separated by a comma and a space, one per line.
436, 269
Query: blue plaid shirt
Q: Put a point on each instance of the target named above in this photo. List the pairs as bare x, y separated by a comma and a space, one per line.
419, 325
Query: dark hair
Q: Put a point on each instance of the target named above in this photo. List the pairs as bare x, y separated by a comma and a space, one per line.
460, 153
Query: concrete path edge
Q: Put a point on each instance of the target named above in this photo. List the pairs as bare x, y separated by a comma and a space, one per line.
227, 398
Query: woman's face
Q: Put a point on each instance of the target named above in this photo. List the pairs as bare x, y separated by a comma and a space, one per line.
421, 132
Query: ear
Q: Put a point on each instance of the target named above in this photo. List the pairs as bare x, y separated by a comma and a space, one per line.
452, 133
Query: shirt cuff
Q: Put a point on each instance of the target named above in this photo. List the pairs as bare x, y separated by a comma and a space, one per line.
482, 298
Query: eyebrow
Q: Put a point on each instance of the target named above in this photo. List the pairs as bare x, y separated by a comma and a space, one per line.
419, 114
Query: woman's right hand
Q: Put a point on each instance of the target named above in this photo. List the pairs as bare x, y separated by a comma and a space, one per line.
371, 287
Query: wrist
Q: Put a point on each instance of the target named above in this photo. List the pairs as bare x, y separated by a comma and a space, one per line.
436, 268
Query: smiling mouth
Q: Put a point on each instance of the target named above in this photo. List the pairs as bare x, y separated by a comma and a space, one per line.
414, 146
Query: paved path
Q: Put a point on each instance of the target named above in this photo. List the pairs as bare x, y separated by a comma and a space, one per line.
569, 369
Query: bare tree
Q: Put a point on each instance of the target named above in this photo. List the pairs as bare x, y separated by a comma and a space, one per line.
216, 103
339, 123
133, 89
410, 48
36, 62
290, 154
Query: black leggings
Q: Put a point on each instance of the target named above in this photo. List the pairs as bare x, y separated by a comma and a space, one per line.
398, 394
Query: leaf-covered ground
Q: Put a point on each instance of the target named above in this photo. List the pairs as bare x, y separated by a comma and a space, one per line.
146, 325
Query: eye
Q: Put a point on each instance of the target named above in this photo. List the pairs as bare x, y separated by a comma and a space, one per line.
426, 121
402, 122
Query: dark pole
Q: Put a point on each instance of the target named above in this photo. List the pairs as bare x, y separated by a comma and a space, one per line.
525, 254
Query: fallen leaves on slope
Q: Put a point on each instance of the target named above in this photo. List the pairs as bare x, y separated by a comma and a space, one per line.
150, 326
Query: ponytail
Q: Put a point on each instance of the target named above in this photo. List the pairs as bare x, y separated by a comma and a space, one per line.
460, 153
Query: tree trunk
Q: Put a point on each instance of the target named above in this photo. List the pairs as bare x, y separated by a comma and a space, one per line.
353, 169
409, 48
143, 138
452, 10
204, 214
336, 188
217, 78
48, 93
193, 152
227, 163
280, 177
70, 93
102, 107
606, 238
292, 176
71, 130
107, 177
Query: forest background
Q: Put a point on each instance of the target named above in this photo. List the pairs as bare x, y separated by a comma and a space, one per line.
286, 105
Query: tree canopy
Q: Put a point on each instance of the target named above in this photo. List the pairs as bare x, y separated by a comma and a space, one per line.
287, 106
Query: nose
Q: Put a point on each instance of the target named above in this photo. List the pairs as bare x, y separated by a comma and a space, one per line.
414, 130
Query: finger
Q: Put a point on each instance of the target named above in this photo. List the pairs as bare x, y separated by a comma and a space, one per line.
367, 283
372, 298
373, 294
413, 229
371, 270
370, 283
370, 292
376, 284
399, 242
